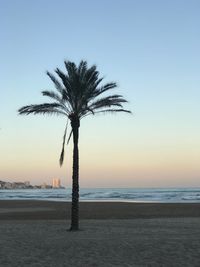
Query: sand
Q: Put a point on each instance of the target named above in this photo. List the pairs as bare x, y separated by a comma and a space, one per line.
48, 210
147, 235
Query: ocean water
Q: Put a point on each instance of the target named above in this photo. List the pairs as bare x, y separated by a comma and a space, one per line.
164, 195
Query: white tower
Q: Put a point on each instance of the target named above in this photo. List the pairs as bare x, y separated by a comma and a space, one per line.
56, 183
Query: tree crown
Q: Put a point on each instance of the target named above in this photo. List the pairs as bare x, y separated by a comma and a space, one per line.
78, 94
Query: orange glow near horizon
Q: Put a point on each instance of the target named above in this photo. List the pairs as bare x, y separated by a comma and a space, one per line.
159, 168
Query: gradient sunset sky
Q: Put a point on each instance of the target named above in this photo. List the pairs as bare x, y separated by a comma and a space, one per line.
150, 48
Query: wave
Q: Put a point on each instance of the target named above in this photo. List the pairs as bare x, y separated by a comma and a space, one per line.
137, 195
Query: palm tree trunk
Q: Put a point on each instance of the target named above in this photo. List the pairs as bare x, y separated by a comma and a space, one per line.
75, 123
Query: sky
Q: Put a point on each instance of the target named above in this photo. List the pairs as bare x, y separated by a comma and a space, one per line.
150, 48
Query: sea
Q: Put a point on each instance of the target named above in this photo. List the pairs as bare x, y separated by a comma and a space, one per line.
160, 195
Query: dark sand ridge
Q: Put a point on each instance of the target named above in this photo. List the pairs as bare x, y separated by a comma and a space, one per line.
47, 210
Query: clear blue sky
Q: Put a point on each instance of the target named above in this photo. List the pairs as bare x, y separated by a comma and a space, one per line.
151, 48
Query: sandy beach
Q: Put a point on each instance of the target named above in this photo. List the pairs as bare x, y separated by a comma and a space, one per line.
34, 233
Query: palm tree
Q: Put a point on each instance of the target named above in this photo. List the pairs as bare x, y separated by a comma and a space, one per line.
78, 95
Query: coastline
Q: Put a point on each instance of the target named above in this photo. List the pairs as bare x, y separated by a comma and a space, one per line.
151, 195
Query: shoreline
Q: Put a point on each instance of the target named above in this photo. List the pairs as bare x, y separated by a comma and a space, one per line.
97, 201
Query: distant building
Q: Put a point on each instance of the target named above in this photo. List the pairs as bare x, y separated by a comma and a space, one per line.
56, 183
18, 185
27, 183
2, 184
45, 186
8, 185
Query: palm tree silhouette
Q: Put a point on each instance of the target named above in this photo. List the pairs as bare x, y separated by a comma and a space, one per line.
78, 95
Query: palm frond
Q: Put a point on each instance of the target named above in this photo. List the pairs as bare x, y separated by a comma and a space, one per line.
59, 99
113, 111
89, 89
62, 154
57, 84
105, 88
113, 100
91, 76
70, 135
46, 108
65, 80
82, 68
68, 93
53, 95
71, 68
